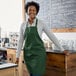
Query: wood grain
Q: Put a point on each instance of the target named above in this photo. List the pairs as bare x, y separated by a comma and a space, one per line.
64, 30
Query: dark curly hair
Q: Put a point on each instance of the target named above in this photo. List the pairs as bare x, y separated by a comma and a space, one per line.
32, 3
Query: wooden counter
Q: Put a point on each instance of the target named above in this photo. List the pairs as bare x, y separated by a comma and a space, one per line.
8, 69
11, 54
59, 64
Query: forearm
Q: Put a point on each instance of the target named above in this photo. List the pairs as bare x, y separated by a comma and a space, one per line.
55, 41
53, 38
19, 48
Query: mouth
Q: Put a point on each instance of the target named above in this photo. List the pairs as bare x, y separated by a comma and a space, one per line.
32, 14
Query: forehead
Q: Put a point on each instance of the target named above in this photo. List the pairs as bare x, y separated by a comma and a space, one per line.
32, 7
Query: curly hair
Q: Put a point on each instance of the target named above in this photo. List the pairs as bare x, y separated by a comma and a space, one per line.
32, 3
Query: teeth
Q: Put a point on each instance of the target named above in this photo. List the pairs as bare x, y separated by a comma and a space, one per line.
31, 14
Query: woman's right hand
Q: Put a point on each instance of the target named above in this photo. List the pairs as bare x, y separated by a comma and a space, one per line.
17, 61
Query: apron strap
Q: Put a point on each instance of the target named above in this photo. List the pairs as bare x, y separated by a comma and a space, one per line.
36, 22
27, 24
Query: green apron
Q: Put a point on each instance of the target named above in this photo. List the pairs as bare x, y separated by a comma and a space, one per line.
34, 51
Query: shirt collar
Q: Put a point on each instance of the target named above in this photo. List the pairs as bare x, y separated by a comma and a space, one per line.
33, 24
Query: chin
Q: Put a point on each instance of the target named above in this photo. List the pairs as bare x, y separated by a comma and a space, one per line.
32, 17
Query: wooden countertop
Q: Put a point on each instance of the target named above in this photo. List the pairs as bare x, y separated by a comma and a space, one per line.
60, 52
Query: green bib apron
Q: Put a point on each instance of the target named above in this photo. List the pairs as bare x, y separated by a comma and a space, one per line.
34, 51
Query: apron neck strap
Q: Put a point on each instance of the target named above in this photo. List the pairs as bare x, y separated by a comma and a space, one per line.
36, 22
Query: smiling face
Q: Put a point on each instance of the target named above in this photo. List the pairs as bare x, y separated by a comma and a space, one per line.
32, 12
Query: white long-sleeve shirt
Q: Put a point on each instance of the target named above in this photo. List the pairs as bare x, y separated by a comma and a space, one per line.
41, 28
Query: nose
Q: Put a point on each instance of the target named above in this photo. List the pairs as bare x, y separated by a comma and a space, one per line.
31, 11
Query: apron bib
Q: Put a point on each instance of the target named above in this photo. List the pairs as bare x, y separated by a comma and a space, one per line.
34, 51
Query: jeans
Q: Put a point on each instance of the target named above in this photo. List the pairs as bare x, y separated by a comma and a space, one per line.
35, 75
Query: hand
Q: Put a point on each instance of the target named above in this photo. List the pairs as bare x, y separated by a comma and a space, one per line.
17, 61
66, 52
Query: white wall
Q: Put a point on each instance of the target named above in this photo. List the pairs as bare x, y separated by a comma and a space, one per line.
11, 18
64, 36
10, 15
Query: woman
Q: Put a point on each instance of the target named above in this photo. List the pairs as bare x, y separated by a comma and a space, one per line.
30, 36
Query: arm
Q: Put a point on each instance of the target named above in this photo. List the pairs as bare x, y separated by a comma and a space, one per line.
20, 42
52, 37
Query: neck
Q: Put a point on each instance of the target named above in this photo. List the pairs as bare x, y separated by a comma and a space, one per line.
31, 20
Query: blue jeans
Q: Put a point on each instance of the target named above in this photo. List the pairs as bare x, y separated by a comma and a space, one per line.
35, 75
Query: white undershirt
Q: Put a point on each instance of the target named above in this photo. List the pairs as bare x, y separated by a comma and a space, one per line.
42, 27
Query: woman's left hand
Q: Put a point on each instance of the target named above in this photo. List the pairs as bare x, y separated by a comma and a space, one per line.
66, 52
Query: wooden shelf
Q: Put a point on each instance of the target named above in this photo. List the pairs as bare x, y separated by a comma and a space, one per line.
64, 30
